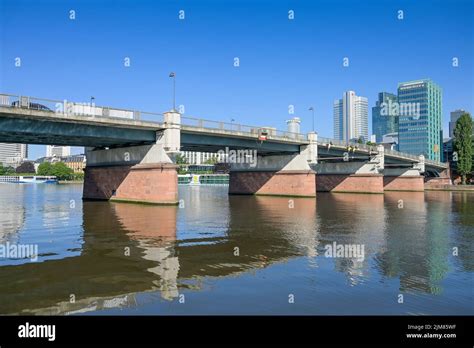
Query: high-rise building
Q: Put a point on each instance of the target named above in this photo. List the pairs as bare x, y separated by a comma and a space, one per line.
58, 151
351, 117
453, 119
384, 116
13, 154
420, 118
195, 157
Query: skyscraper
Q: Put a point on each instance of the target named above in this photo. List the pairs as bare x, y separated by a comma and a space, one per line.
351, 117
420, 109
58, 151
384, 117
13, 154
452, 122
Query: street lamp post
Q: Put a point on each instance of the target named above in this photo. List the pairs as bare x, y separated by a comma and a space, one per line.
312, 111
173, 76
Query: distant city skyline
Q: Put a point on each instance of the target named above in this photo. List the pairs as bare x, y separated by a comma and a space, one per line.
252, 64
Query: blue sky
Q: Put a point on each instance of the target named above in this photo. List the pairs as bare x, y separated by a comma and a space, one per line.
282, 62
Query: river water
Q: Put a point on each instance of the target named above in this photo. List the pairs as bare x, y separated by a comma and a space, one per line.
220, 254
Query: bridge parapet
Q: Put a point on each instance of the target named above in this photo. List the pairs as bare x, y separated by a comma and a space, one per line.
236, 129
65, 108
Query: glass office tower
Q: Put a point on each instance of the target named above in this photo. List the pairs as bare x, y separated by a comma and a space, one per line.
420, 113
384, 116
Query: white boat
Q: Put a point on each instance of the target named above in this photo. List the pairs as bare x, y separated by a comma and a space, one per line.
19, 179
203, 179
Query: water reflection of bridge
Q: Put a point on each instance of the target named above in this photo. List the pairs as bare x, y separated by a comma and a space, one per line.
131, 249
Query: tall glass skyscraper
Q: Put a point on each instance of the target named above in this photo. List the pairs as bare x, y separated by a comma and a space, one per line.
420, 117
351, 117
384, 116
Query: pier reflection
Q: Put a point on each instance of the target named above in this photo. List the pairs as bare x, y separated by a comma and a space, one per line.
129, 249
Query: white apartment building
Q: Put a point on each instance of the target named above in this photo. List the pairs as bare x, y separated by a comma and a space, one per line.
58, 151
351, 117
12, 155
194, 157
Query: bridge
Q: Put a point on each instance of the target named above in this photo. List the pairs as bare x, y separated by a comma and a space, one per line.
131, 154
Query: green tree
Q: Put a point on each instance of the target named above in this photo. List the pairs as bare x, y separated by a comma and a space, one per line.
26, 167
463, 145
212, 160
6, 170
180, 159
61, 171
45, 169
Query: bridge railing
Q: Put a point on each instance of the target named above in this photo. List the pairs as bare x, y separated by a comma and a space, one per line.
240, 129
402, 154
67, 108
415, 158
343, 143
436, 163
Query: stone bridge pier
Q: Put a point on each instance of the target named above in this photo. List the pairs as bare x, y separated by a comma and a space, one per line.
277, 175
142, 174
400, 178
441, 180
352, 176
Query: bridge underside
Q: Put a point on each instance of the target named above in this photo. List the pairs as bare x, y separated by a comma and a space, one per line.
49, 132
214, 143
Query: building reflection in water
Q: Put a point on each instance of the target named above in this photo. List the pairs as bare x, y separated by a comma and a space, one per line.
416, 248
352, 219
263, 230
462, 204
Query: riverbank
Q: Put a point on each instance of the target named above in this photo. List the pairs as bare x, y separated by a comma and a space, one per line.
461, 188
